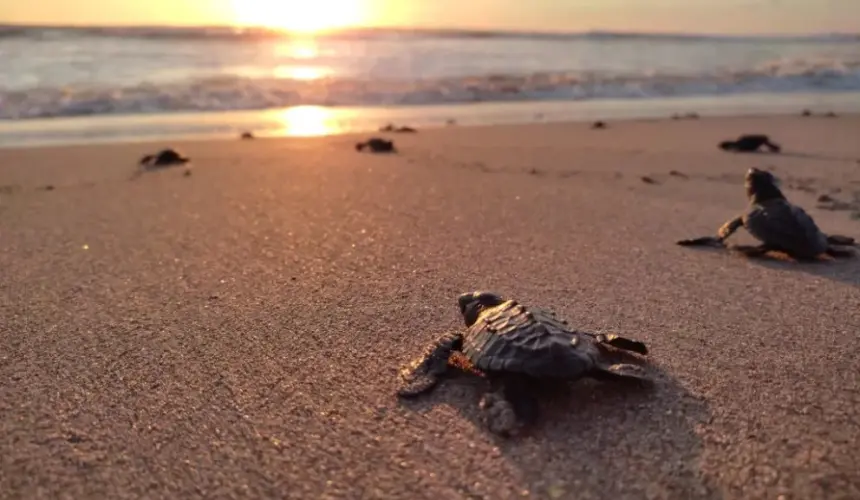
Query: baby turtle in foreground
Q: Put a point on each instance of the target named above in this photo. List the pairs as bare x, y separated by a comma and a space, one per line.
777, 223
518, 348
749, 143
376, 145
164, 158
598, 125
246, 136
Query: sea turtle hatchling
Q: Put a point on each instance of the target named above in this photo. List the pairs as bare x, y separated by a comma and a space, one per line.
749, 143
516, 347
164, 158
777, 223
376, 145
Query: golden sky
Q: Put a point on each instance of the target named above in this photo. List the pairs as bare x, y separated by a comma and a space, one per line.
713, 16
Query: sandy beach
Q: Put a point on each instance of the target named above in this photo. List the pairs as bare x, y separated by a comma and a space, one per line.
237, 333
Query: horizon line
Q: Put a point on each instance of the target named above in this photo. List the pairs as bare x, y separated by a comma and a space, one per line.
438, 29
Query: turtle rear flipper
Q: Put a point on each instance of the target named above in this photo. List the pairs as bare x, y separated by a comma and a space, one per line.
838, 239
623, 343
423, 374
837, 253
619, 372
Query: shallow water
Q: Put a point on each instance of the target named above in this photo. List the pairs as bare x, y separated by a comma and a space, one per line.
85, 72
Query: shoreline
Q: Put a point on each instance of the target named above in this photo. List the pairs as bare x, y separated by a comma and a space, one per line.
318, 121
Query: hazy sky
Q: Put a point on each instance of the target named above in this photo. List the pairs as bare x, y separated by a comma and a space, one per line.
716, 16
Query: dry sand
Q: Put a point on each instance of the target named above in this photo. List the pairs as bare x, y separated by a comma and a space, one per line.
237, 333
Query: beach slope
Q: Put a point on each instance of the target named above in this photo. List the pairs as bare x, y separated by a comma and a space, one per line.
237, 333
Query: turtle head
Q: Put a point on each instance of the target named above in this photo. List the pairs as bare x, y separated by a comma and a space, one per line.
473, 303
762, 185
727, 145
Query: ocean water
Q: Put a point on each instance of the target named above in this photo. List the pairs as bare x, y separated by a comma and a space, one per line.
175, 77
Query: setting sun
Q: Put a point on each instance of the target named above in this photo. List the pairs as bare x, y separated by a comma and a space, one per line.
300, 15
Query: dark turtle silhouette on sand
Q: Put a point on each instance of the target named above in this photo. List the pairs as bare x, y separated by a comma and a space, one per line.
391, 128
749, 143
518, 348
777, 223
376, 145
246, 136
164, 158
598, 125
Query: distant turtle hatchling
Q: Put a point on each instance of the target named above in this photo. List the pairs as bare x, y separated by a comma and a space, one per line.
517, 348
749, 143
164, 158
777, 223
392, 128
376, 145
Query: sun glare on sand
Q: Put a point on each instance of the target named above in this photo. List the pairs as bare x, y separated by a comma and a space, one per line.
307, 121
300, 16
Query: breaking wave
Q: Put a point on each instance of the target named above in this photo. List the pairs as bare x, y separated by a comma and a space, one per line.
221, 93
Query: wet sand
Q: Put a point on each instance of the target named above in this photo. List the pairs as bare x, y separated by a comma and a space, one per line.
237, 333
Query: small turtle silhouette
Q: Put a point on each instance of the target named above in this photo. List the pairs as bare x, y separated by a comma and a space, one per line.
376, 145
246, 136
164, 158
391, 128
598, 125
749, 143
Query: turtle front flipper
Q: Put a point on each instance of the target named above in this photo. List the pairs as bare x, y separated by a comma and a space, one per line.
729, 228
620, 372
620, 342
725, 231
704, 241
424, 373
838, 239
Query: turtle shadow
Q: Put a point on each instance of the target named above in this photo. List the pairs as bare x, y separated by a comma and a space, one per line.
818, 157
844, 270
598, 439
799, 155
